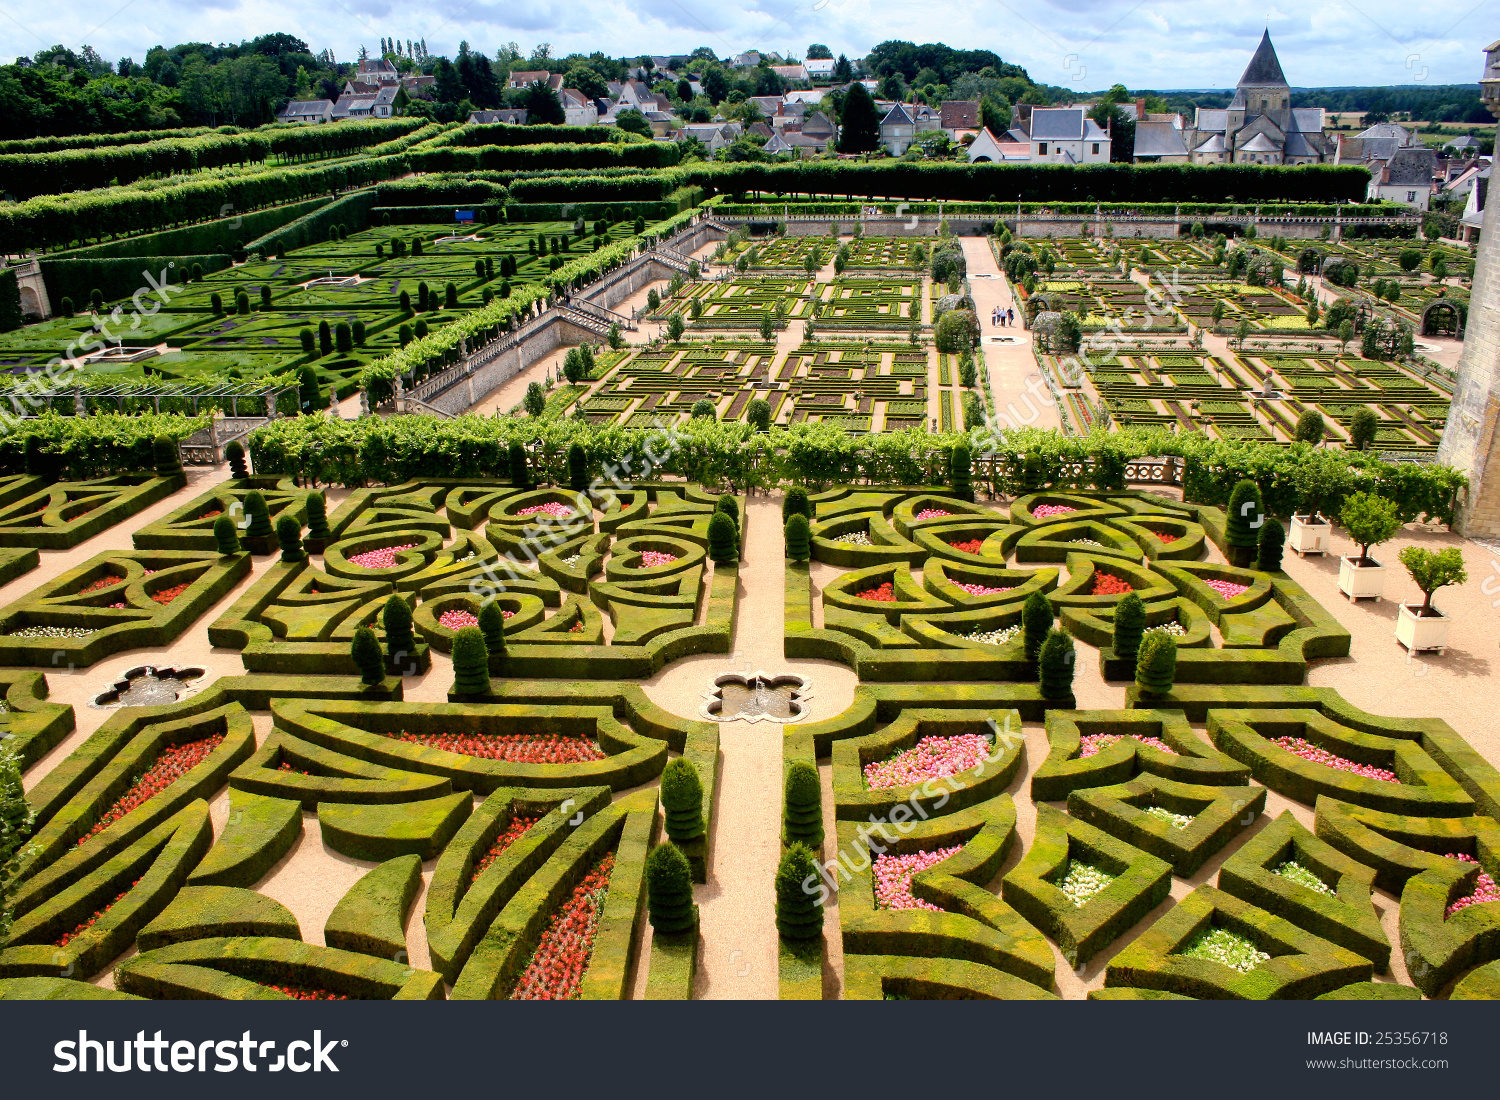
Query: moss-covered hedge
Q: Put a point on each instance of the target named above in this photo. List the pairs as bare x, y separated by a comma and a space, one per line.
371, 917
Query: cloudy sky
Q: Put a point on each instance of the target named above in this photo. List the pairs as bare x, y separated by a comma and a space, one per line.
1085, 44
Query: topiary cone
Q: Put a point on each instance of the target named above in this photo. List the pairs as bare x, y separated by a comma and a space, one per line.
798, 538
802, 818
799, 914
318, 534
578, 468
367, 656
960, 466
258, 514
471, 663
520, 475
1036, 621
796, 503
1156, 665
1130, 624
1269, 549
1055, 666
682, 799
723, 540
492, 626
289, 534
669, 890
1244, 509
235, 455
730, 507
164, 452
226, 539
395, 616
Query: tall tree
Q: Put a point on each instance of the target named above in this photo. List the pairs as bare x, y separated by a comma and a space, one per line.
542, 104
860, 126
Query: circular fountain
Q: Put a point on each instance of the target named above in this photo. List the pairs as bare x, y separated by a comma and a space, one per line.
148, 686
737, 697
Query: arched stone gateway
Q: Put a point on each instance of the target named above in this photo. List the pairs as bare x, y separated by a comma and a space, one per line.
30, 305
1444, 317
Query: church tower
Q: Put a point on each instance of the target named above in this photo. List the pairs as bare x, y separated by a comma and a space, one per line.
1263, 90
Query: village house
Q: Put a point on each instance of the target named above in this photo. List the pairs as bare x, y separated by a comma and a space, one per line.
306, 110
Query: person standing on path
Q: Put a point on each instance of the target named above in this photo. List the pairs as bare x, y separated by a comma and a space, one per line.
1011, 315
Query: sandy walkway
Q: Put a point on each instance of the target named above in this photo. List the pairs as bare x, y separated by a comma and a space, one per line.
1020, 397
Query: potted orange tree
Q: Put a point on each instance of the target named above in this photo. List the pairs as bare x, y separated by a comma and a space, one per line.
1421, 626
1369, 520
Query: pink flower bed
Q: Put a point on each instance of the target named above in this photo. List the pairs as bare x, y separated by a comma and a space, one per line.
930, 758
561, 959
1484, 890
1228, 589
1308, 751
932, 513
384, 558
893, 876
517, 748
1045, 511
457, 618
650, 559
981, 590
1096, 741
552, 508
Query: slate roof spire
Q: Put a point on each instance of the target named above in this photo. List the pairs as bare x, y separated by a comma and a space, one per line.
1264, 68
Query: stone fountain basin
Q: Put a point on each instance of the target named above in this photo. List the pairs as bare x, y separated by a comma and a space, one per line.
759, 697
148, 686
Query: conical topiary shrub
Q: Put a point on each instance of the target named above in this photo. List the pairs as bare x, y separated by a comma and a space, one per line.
38, 463
1272, 542
1130, 624
1242, 522
318, 535
723, 540
730, 507
520, 473
578, 468
1055, 666
798, 538
164, 453
234, 454
1036, 620
257, 537
226, 539
395, 616
669, 890
492, 626
289, 534
796, 503
802, 817
1156, 665
366, 653
960, 469
471, 663
799, 914
682, 799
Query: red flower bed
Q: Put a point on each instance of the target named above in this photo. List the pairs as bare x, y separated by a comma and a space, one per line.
886, 593
511, 833
576, 628
86, 925
102, 582
1166, 536
561, 959
212, 513
518, 748
307, 993
167, 595
1107, 584
171, 764
286, 766
970, 547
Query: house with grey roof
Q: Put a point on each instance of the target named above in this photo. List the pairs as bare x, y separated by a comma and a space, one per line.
1061, 135
1473, 216
1160, 143
1260, 125
1406, 177
516, 116
897, 130
306, 110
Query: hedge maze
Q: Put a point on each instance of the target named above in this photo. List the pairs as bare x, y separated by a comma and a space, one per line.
1235, 837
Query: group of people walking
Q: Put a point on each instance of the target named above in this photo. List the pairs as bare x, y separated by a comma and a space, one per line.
1002, 317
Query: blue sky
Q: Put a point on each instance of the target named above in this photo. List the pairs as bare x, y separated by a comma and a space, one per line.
1085, 44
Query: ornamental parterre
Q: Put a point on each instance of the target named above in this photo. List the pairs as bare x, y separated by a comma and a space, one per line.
893, 875
981, 589
1047, 511
1177, 821
1484, 889
885, 593
68, 937
1293, 871
929, 758
557, 966
650, 559
1107, 584
1220, 945
970, 546
1093, 742
513, 831
1082, 881
932, 513
551, 508
1228, 589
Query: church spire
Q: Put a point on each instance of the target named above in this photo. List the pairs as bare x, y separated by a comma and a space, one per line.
1264, 69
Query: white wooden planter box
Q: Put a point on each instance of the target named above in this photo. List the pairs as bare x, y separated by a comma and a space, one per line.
1361, 582
1310, 535
1418, 634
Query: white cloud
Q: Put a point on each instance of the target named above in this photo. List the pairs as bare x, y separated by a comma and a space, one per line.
1171, 44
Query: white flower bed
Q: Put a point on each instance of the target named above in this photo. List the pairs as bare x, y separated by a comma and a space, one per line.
1220, 945
1175, 629
51, 632
1177, 821
854, 538
1302, 876
1081, 881
992, 637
